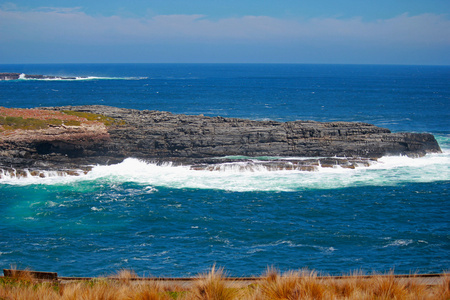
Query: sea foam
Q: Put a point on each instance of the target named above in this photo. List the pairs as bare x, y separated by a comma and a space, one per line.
246, 176
75, 78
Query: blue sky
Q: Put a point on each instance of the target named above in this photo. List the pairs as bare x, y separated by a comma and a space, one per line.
232, 31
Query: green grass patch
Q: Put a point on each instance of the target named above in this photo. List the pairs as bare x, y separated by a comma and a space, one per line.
12, 123
177, 295
71, 123
108, 121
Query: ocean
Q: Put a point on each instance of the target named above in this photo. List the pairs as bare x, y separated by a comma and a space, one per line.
167, 220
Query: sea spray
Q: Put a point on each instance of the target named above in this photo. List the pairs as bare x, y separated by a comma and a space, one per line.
246, 176
27, 77
241, 220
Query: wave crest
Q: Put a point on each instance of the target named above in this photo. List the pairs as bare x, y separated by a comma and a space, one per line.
252, 176
27, 77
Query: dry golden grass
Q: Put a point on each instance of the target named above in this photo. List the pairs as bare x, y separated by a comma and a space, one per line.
21, 275
125, 276
444, 291
273, 285
212, 285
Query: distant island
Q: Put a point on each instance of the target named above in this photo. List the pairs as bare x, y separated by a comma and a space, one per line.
16, 76
77, 137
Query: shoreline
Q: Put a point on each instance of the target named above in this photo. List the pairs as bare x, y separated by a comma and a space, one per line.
72, 138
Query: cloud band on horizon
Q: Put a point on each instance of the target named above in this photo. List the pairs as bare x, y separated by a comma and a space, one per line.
420, 39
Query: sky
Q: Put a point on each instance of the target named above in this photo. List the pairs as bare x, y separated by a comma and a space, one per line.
412, 32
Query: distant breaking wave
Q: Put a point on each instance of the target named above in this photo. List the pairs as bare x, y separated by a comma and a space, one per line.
27, 77
73, 78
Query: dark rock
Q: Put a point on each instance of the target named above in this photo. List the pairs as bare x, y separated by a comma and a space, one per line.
198, 140
15, 76
9, 76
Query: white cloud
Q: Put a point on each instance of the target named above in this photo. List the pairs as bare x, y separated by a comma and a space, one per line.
71, 26
71, 23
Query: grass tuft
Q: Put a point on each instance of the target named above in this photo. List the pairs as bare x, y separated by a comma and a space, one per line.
125, 276
277, 287
153, 291
443, 291
273, 285
212, 286
21, 275
387, 287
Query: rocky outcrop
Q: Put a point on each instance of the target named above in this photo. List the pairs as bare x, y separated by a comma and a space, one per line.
198, 140
16, 76
62, 148
9, 76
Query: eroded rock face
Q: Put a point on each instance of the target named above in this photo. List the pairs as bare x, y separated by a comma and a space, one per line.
155, 134
55, 148
199, 140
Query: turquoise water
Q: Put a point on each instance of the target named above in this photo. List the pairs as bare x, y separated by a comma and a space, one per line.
172, 221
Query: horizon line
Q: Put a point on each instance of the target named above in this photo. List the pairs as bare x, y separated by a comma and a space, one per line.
222, 63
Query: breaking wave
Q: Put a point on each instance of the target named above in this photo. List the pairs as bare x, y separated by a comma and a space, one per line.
73, 78
248, 176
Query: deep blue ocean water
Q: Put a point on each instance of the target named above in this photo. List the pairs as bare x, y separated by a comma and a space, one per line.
171, 221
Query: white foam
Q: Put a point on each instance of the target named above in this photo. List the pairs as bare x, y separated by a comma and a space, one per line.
48, 177
399, 243
247, 176
78, 78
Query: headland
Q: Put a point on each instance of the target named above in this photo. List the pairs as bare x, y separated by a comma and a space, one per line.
76, 137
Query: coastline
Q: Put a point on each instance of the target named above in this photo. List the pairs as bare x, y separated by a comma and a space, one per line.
67, 139
395, 208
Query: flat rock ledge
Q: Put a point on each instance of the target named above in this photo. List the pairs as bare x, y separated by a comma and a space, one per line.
204, 143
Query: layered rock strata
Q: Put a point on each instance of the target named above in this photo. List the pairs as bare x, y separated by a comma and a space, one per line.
203, 142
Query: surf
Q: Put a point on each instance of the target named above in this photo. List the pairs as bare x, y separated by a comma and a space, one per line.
250, 176
81, 78
27, 77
